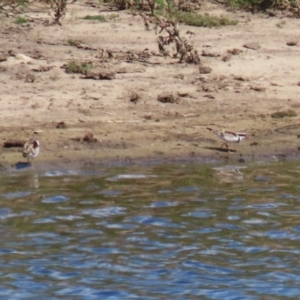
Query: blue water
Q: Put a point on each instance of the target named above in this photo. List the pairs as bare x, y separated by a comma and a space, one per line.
156, 232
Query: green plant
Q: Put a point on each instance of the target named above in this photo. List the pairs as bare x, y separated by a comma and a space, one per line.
15, 6
256, 5
22, 3
78, 67
280, 24
113, 17
206, 20
160, 4
20, 20
99, 18
2, 69
73, 43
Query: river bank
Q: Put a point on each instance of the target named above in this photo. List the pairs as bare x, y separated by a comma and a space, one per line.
86, 121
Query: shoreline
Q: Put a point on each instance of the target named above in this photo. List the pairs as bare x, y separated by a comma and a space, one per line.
126, 119
87, 163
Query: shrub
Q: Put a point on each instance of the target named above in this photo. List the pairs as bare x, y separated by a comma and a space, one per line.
206, 20
99, 18
20, 20
78, 67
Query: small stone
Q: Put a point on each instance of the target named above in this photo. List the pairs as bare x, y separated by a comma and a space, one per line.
204, 69
284, 113
257, 88
210, 54
227, 57
134, 97
234, 51
13, 143
61, 125
252, 46
23, 58
167, 97
3, 57
100, 74
292, 43
89, 138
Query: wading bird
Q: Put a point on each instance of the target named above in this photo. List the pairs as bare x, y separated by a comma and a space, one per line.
31, 149
229, 137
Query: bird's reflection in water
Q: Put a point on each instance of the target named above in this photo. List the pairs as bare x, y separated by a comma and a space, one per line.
22, 165
33, 178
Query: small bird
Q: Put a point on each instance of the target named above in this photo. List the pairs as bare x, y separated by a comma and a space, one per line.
31, 149
229, 137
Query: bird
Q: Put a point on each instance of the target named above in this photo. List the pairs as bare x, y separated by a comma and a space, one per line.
229, 136
31, 149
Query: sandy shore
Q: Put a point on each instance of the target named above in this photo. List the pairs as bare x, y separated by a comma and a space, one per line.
240, 93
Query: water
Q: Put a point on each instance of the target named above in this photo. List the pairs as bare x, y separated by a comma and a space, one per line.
156, 232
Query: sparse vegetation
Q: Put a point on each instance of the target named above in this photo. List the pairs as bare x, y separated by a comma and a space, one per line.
206, 20
15, 6
263, 5
98, 18
2, 69
78, 67
284, 113
58, 9
54, 77
20, 20
113, 17
184, 46
280, 24
73, 43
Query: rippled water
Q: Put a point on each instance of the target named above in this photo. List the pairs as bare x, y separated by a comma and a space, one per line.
156, 232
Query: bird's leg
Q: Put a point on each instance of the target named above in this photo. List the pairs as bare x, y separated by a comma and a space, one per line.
227, 147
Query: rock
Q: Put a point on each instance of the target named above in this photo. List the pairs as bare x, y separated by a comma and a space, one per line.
37, 131
240, 78
13, 143
234, 51
130, 69
42, 68
257, 88
29, 78
204, 69
3, 57
23, 58
89, 138
292, 43
183, 94
100, 73
167, 97
227, 57
252, 45
61, 125
134, 97
210, 54
284, 113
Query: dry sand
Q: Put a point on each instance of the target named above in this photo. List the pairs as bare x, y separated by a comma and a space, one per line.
240, 94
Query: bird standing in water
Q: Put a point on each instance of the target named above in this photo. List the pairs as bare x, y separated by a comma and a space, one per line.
229, 137
31, 149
